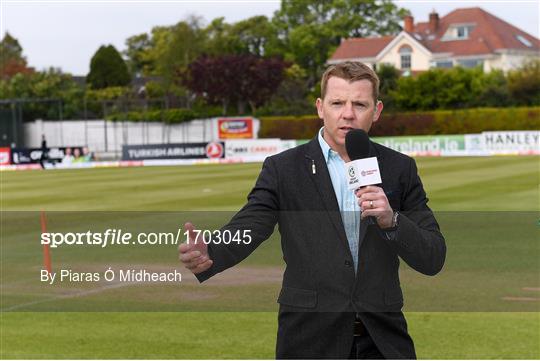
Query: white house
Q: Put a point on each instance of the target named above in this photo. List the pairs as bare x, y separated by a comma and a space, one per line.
468, 37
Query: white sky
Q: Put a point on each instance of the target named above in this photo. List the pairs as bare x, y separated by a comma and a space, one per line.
66, 34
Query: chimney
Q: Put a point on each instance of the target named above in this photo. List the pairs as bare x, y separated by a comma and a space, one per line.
433, 22
408, 21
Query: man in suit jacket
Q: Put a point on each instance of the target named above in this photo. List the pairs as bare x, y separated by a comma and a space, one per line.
341, 296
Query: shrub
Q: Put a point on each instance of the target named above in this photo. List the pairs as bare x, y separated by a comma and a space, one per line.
177, 115
461, 121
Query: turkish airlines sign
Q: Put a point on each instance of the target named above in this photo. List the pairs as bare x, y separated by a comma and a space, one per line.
210, 150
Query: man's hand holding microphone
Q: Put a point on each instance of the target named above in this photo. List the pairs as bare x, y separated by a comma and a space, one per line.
373, 203
363, 173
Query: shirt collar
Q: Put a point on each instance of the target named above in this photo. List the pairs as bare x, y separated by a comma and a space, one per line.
326, 150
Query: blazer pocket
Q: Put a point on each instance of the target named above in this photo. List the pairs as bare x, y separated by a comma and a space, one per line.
297, 297
393, 296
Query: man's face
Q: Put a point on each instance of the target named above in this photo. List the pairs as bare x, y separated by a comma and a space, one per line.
347, 106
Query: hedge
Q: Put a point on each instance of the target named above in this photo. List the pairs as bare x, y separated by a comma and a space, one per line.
289, 127
461, 121
177, 115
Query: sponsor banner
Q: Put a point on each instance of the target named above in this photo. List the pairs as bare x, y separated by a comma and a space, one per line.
93, 164
474, 145
5, 155
64, 155
511, 142
235, 128
100, 164
425, 145
255, 150
14, 167
212, 150
288, 144
483, 144
165, 162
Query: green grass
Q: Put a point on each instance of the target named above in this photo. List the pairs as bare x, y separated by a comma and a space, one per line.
139, 335
487, 208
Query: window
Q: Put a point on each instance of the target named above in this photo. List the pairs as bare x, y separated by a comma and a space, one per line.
470, 63
405, 61
524, 41
444, 64
405, 53
458, 32
462, 32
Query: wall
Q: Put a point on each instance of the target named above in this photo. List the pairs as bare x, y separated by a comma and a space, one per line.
106, 138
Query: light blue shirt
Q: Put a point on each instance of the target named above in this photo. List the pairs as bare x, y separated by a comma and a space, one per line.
347, 201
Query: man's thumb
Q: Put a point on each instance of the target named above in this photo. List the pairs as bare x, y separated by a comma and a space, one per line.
188, 226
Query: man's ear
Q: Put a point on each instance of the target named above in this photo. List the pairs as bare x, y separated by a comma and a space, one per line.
319, 105
378, 110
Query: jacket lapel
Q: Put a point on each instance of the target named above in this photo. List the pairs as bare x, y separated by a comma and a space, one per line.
321, 178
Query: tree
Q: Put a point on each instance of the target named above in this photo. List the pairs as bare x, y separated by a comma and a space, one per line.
255, 35
292, 95
107, 68
153, 51
181, 46
137, 54
492, 90
388, 77
448, 89
12, 60
261, 80
524, 83
219, 39
455, 87
166, 53
235, 78
48, 84
312, 29
361, 18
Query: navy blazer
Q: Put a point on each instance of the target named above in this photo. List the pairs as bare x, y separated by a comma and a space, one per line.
321, 294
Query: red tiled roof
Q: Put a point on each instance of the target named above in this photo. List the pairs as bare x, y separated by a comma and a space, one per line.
488, 35
361, 47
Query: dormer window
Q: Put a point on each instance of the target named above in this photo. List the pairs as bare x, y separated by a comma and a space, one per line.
458, 32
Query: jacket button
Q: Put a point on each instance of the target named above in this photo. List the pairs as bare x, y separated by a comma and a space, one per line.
348, 263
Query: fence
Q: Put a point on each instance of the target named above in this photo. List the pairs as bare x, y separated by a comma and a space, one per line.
105, 138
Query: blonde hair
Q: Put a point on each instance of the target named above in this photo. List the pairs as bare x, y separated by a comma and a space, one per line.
351, 71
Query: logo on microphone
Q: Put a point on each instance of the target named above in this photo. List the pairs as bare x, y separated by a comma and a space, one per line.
362, 172
365, 173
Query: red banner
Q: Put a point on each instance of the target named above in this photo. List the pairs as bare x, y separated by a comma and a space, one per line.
235, 128
5, 155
